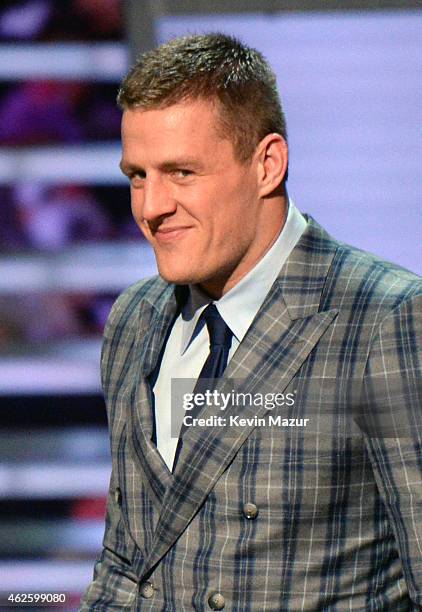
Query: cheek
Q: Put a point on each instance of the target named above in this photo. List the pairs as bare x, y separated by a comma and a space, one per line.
136, 204
137, 216
233, 224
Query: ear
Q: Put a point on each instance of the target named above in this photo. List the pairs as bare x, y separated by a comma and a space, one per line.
273, 157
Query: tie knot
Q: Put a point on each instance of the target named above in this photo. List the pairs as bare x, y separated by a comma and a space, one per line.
220, 334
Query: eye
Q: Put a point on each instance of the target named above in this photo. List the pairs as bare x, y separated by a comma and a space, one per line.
137, 178
182, 173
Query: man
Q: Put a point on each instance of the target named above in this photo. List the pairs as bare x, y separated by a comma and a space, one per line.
320, 509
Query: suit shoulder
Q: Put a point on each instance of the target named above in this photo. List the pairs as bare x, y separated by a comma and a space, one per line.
125, 309
362, 280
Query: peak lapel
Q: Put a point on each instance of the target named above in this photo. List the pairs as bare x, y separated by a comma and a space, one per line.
280, 338
154, 327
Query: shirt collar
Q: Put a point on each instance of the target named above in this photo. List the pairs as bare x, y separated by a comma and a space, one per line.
239, 306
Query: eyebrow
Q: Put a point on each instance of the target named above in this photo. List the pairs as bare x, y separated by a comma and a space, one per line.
167, 166
128, 168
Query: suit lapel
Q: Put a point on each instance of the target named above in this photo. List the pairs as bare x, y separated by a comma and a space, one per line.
285, 330
154, 325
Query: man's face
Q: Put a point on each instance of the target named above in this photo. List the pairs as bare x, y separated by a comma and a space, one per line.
196, 204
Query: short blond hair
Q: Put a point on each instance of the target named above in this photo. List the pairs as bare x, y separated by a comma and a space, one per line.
213, 67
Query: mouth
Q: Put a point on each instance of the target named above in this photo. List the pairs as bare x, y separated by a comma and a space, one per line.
169, 234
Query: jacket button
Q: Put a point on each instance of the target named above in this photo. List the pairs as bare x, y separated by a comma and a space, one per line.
250, 511
216, 601
147, 590
117, 496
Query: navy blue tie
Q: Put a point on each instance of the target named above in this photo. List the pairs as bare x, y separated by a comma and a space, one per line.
220, 342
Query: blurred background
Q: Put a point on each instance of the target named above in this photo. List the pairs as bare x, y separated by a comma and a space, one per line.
349, 75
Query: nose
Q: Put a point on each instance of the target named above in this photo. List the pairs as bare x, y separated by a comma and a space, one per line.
155, 200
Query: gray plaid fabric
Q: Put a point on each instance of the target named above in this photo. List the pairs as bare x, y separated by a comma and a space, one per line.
339, 524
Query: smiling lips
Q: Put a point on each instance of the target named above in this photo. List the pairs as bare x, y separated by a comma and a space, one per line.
167, 234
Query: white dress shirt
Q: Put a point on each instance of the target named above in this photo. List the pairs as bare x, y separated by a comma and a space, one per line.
185, 354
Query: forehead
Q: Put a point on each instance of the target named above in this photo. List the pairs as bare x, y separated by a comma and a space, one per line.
194, 122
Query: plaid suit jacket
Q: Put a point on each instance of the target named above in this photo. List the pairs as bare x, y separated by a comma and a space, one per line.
337, 505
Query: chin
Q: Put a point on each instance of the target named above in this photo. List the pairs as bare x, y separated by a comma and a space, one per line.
179, 277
